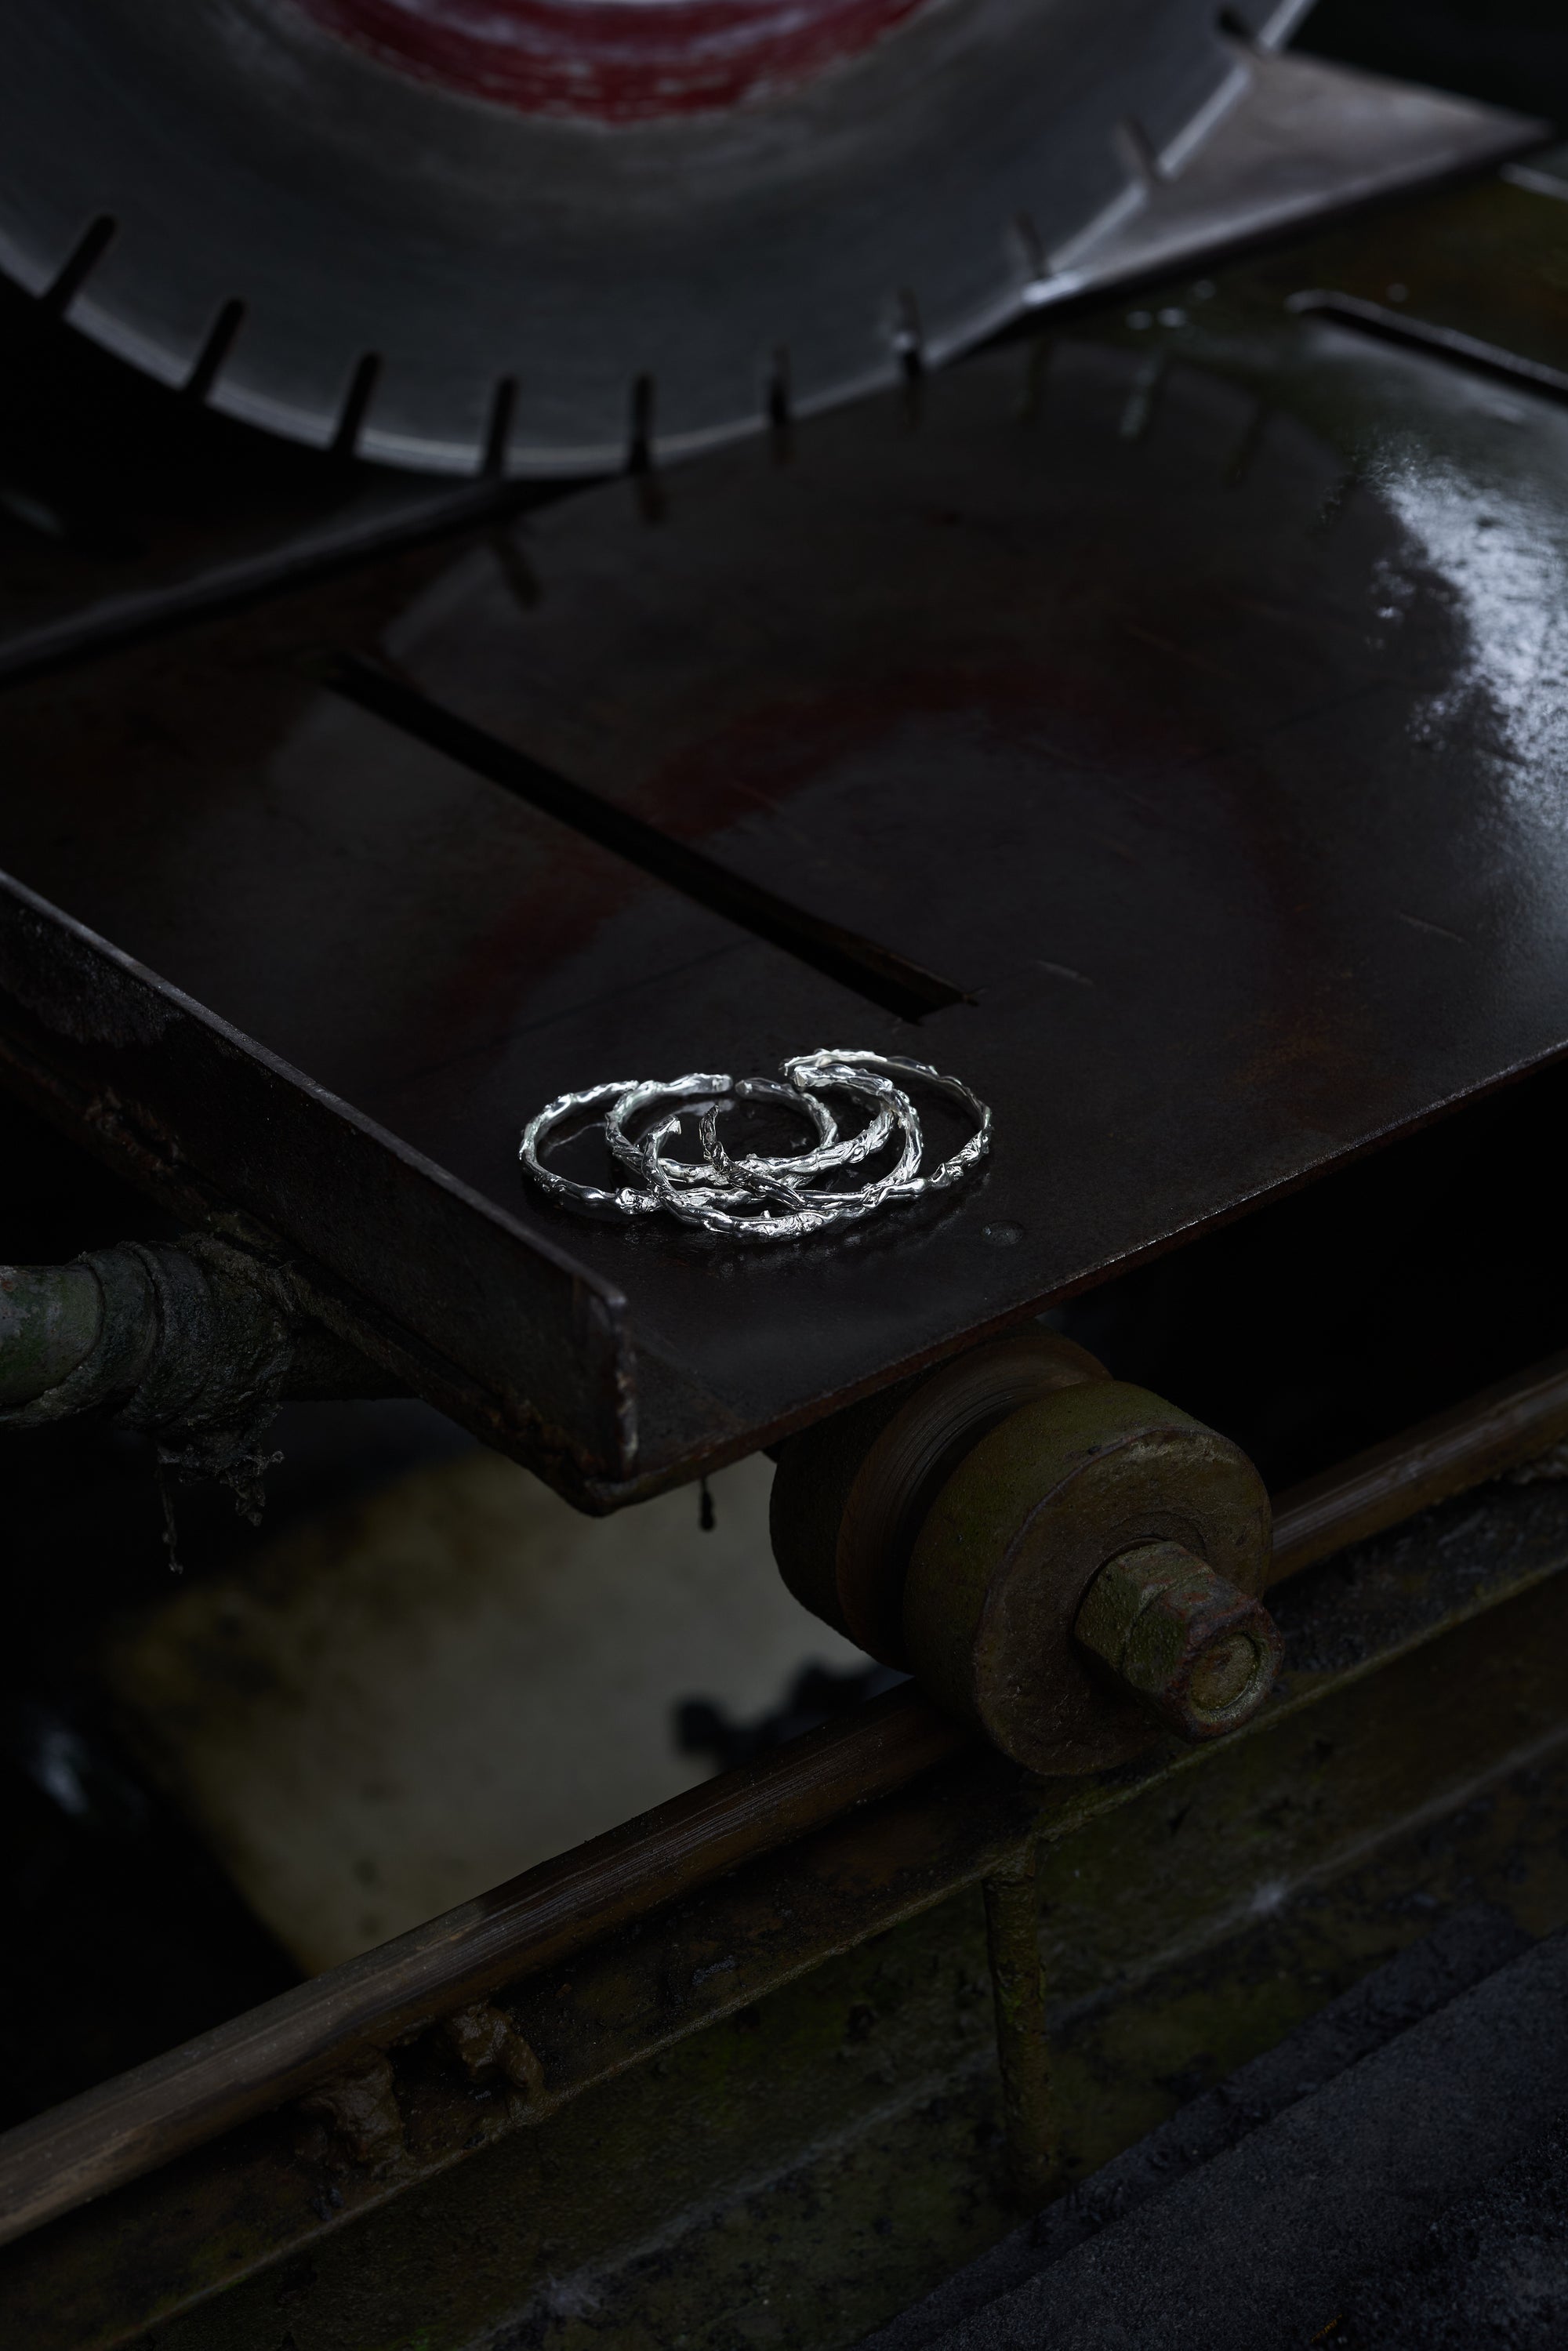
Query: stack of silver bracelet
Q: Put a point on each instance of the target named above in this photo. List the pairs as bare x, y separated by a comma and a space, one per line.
754, 1197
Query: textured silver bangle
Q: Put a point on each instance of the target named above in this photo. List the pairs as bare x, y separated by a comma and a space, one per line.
753, 1197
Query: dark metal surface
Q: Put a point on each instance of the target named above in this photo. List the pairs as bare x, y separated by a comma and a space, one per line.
1183, 690
1464, 1948
1510, 1424
122, 510
1307, 139
1296, 2227
883, 978
500, 1316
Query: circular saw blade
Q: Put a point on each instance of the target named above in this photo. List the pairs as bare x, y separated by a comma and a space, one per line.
527, 232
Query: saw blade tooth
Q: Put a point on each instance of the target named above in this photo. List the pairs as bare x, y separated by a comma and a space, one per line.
1193, 85
354, 414
908, 336
1125, 192
1028, 248
162, 325
497, 460
85, 255
481, 422
640, 431
777, 392
1136, 149
200, 383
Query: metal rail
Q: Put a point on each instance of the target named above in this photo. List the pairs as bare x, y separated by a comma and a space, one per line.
1490, 1432
115, 2132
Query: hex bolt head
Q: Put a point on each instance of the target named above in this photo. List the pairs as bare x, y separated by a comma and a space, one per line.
1196, 1653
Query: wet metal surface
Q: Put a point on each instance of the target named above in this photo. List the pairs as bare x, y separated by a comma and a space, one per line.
1189, 692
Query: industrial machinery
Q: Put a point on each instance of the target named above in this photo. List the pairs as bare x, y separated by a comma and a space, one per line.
527, 232
1155, 717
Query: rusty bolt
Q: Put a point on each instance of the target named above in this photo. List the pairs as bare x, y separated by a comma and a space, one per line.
361, 2107
1197, 1653
483, 2040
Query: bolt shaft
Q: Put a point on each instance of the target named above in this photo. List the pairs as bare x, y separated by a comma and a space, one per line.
1199, 1654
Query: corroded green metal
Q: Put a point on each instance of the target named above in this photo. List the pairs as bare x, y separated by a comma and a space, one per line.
1026, 1520
1023, 2048
1200, 1655
197, 1343
49, 1322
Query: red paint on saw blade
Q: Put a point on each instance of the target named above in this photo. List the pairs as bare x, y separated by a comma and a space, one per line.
614, 61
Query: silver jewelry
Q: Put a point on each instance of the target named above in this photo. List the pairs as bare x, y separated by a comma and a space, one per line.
753, 1197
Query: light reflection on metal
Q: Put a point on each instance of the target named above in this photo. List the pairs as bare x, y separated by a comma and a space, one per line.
239, 216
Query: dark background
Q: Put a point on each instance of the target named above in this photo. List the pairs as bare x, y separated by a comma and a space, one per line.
1513, 52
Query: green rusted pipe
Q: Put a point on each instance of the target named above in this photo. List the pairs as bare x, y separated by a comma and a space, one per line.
196, 1343
50, 1318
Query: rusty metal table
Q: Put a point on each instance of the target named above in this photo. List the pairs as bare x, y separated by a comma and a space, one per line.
1165, 714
